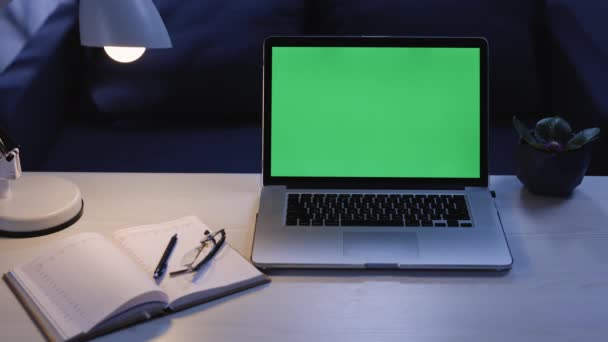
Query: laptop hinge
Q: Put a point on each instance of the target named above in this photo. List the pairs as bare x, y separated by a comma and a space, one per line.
370, 187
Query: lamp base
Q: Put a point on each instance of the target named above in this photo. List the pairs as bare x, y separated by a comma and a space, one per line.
39, 205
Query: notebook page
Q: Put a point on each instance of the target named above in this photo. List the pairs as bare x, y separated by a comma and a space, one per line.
147, 243
81, 280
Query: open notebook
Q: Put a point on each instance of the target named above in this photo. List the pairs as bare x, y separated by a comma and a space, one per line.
87, 284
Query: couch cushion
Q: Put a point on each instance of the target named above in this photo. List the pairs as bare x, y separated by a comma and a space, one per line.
213, 69
510, 27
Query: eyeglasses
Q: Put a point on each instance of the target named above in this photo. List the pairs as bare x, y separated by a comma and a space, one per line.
199, 256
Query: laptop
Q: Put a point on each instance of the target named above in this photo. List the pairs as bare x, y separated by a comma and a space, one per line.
375, 155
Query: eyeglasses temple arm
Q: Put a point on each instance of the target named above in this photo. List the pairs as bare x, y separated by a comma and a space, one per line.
212, 253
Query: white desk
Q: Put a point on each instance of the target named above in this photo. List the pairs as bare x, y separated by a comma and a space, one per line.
556, 291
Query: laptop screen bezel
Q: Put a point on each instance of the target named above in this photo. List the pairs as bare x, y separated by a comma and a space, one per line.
374, 182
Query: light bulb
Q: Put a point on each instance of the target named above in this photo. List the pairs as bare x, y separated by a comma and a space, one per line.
124, 54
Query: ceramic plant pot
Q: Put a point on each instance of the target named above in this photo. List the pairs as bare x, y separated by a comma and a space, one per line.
551, 174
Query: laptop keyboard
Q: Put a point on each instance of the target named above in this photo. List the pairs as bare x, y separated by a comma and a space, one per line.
403, 210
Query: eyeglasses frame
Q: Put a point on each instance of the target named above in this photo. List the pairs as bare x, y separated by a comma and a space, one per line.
216, 247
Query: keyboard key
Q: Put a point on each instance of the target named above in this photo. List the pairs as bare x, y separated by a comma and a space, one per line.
440, 224
364, 223
452, 223
458, 198
333, 217
410, 218
346, 216
463, 216
412, 223
466, 224
352, 223
302, 222
306, 217
372, 217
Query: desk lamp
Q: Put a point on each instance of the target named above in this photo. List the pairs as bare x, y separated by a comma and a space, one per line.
124, 28
32, 205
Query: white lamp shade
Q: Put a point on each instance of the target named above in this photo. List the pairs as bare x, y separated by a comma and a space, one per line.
126, 23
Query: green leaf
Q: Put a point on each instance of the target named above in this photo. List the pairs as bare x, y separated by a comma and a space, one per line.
525, 135
553, 129
583, 137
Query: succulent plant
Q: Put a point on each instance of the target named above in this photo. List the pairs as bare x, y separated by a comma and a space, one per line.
554, 134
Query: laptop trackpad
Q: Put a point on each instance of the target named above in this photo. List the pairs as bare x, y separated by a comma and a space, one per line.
381, 246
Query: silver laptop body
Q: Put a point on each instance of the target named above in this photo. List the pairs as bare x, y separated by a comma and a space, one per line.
375, 155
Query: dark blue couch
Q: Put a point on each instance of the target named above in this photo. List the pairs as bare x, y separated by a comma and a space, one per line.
197, 107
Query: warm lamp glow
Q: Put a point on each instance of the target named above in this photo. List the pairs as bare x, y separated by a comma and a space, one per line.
124, 54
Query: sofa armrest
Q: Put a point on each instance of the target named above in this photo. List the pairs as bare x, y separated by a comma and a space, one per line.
37, 88
579, 61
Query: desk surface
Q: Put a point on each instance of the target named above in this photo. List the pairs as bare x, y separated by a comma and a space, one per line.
556, 291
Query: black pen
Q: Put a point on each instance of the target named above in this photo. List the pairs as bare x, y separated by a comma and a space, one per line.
162, 264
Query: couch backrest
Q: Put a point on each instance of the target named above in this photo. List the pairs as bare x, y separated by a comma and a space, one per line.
579, 62
36, 88
513, 29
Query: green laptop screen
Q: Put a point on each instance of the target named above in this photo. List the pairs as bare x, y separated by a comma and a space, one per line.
375, 112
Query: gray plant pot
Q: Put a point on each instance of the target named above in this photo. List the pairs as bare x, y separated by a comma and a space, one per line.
551, 174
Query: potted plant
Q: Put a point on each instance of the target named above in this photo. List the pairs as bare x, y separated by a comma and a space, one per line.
551, 159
